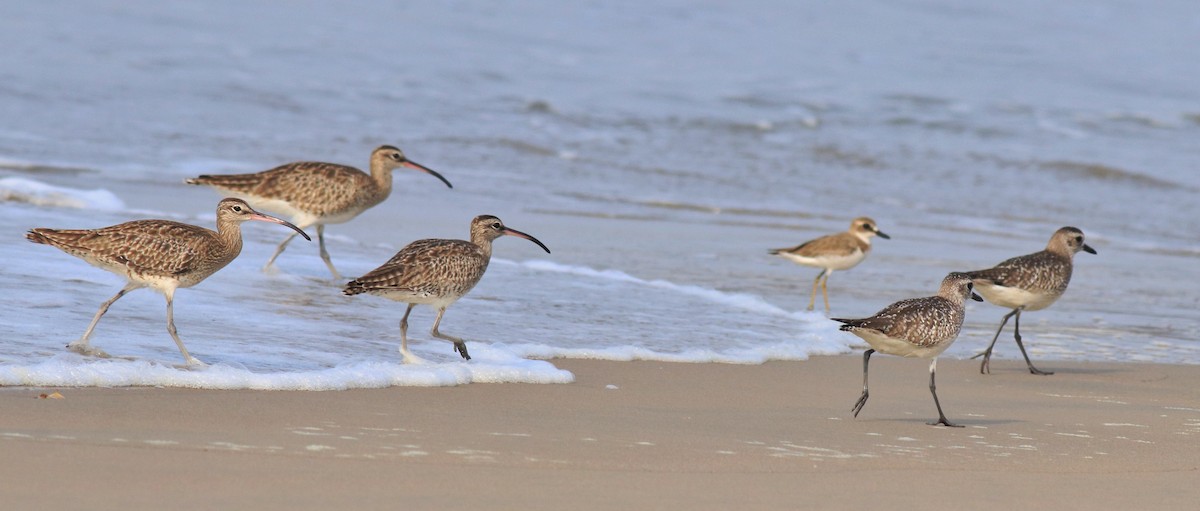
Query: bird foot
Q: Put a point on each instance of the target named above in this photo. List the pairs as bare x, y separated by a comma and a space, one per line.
942, 421
87, 350
407, 357
461, 349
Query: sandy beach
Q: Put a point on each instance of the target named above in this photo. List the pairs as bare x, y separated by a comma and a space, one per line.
631, 435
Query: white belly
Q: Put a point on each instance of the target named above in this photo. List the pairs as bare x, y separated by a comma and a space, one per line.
1013, 298
831, 262
899, 347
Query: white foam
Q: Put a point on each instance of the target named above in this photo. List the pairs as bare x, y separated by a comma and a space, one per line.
17, 189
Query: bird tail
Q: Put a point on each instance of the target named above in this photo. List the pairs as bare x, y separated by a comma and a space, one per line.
37, 236
354, 287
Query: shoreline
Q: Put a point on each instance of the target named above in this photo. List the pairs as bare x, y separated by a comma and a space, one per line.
640, 434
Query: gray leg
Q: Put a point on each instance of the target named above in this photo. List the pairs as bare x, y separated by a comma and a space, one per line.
459, 346
933, 390
279, 250
1017, 336
407, 355
985, 367
187, 357
81, 346
324, 253
812, 298
825, 290
862, 400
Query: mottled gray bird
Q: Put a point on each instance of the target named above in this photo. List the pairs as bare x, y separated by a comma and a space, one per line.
316, 193
840, 251
159, 254
917, 327
436, 272
1028, 283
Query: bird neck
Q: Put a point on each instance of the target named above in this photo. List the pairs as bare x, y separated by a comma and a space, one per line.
230, 236
484, 243
381, 174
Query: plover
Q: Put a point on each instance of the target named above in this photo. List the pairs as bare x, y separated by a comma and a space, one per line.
840, 251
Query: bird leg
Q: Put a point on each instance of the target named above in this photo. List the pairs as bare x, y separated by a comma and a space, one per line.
985, 367
812, 299
407, 356
187, 357
825, 290
1017, 336
460, 347
81, 346
324, 253
862, 400
279, 250
933, 390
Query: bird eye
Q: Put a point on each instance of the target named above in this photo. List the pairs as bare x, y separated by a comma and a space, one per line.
497, 226
237, 209
1079, 239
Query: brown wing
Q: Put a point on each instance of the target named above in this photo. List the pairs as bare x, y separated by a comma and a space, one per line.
316, 187
146, 247
841, 244
425, 267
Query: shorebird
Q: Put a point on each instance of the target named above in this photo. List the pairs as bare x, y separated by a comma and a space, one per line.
436, 272
840, 251
1028, 283
917, 327
159, 254
316, 193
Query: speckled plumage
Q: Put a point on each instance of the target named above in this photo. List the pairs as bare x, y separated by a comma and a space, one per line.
840, 251
1028, 283
317, 193
436, 272
916, 327
160, 254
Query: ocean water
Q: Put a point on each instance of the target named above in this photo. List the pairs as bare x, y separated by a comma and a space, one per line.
659, 149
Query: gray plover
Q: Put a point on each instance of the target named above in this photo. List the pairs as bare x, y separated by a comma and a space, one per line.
436, 272
316, 193
840, 251
1028, 283
159, 254
917, 327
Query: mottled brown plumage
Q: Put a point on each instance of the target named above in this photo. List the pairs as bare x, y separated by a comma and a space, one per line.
917, 327
1028, 283
436, 272
840, 251
159, 254
317, 193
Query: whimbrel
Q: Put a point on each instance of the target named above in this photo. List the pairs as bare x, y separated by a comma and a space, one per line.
840, 251
159, 254
436, 272
917, 327
316, 193
1028, 283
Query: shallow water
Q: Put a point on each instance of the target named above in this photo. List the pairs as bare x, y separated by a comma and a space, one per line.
658, 150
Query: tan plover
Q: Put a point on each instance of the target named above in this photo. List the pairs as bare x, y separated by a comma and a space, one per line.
917, 327
840, 251
1028, 283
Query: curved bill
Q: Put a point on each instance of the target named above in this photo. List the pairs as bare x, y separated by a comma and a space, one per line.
268, 218
414, 165
882, 235
508, 231
1088, 249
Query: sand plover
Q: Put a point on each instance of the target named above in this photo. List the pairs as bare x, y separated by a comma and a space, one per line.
917, 327
840, 251
1028, 283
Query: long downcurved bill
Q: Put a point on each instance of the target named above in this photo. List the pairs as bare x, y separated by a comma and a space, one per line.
513, 232
414, 165
268, 218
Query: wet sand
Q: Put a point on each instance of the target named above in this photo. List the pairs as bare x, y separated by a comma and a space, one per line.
632, 435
